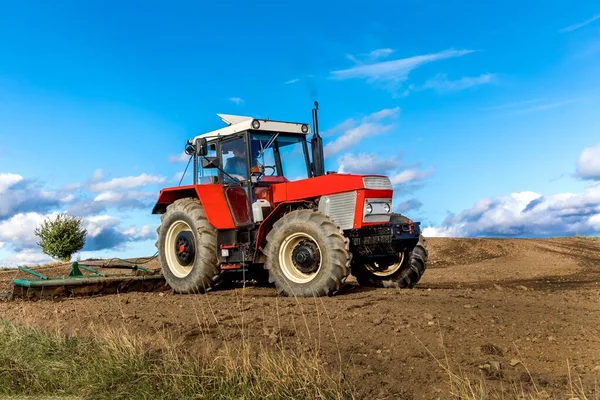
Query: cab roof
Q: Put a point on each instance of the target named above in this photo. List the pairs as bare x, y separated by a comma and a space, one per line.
240, 123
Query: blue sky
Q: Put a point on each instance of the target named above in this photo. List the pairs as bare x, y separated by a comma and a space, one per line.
484, 114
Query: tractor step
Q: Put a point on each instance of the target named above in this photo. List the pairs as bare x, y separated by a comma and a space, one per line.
231, 266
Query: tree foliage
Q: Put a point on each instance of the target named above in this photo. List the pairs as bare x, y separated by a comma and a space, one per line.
61, 237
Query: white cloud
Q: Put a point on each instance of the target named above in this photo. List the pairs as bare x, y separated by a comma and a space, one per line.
104, 233
512, 105
97, 176
145, 232
407, 205
177, 177
404, 179
370, 56
548, 106
515, 107
366, 163
24, 206
574, 27
112, 197
25, 257
128, 182
409, 176
595, 222
108, 196
68, 198
588, 163
236, 100
380, 53
431, 231
19, 230
7, 180
17, 235
393, 72
352, 58
96, 224
526, 214
353, 132
19, 195
442, 84
291, 81
180, 158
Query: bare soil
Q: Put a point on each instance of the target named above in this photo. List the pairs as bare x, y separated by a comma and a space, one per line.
508, 311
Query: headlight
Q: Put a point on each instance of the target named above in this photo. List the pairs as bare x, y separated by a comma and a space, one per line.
386, 208
369, 208
255, 124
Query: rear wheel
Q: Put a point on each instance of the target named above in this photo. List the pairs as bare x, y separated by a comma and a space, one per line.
403, 270
307, 255
187, 247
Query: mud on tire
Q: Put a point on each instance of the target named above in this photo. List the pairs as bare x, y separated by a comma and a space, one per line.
403, 274
307, 255
187, 247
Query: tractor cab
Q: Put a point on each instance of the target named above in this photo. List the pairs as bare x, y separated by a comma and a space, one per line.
256, 157
248, 157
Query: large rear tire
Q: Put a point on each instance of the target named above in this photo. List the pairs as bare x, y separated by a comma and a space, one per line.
187, 248
402, 271
307, 255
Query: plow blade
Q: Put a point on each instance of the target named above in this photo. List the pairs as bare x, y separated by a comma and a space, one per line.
77, 284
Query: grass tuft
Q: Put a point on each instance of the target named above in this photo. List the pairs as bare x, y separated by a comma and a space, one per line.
118, 365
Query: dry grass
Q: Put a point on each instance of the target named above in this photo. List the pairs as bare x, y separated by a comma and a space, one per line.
116, 364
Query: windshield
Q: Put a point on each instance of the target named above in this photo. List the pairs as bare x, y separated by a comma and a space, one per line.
280, 154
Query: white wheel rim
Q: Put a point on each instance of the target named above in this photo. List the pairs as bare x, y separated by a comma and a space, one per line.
390, 270
180, 271
285, 258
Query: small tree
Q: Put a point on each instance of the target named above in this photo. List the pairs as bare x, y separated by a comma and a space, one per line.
61, 237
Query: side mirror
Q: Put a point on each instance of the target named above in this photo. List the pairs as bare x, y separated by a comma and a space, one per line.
189, 148
210, 162
201, 147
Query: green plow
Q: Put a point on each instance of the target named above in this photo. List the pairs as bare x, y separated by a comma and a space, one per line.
76, 283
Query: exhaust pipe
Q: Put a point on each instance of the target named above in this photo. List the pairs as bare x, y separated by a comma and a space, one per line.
316, 143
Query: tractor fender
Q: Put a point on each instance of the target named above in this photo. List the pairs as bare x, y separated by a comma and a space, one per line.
273, 216
211, 196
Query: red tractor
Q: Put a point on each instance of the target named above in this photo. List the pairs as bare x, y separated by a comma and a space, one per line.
261, 205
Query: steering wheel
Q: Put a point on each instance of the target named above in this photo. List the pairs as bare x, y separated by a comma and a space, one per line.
238, 178
272, 167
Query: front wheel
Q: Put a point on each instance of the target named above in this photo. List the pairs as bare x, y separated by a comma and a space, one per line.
187, 247
401, 271
307, 255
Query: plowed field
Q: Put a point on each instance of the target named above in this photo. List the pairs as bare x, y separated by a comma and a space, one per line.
506, 311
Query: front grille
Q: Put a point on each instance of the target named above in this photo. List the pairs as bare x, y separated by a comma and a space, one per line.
377, 182
340, 207
381, 240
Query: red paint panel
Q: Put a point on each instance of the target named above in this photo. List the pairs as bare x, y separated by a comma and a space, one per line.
318, 186
358, 211
169, 195
211, 196
215, 206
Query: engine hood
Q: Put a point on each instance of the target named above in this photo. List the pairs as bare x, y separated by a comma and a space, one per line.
330, 184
